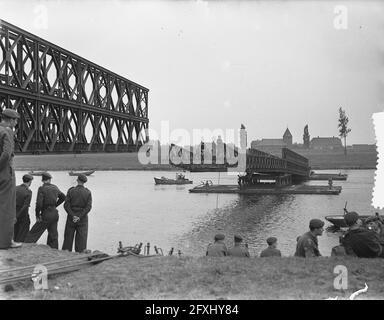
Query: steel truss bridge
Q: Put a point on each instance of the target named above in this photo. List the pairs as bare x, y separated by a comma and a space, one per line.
67, 103
290, 163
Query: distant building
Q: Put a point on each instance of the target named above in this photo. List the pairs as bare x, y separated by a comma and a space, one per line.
326, 143
364, 147
273, 143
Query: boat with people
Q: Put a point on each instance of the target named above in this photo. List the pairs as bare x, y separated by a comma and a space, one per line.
180, 179
77, 173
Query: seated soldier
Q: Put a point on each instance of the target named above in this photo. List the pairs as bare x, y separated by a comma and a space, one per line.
338, 250
360, 241
271, 251
217, 249
238, 250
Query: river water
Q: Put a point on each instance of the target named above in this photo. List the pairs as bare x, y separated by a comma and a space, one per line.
128, 207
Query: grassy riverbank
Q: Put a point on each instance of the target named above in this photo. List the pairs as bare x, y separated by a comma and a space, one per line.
197, 277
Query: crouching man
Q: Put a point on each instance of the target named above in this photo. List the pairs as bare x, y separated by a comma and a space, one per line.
360, 241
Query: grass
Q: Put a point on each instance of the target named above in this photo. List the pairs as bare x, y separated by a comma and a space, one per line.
171, 277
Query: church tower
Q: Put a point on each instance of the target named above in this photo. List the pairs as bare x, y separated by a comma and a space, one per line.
306, 137
287, 138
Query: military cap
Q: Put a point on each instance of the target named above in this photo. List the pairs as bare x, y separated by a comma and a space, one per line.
271, 240
351, 217
316, 223
46, 176
237, 238
82, 178
10, 113
27, 177
219, 236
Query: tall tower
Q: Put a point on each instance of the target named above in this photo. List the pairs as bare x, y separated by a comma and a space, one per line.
306, 137
287, 138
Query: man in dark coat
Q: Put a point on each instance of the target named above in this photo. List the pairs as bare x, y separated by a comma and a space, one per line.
307, 245
49, 197
23, 201
359, 241
7, 179
78, 203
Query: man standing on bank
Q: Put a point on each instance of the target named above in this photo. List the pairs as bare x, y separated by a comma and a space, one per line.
307, 245
49, 197
78, 203
23, 201
7, 179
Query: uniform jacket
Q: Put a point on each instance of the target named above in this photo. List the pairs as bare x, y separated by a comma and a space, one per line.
217, 249
238, 251
78, 201
48, 196
270, 252
7, 187
363, 243
23, 201
307, 246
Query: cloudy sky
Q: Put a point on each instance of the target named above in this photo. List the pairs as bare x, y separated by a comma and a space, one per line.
215, 65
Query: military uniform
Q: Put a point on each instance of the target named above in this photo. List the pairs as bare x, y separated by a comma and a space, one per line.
363, 243
270, 252
7, 187
78, 203
238, 251
217, 249
23, 201
307, 246
49, 197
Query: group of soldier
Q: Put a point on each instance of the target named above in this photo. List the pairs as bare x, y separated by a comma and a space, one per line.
15, 202
362, 239
219, 249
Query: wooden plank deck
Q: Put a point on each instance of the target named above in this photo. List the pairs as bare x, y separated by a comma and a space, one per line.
296, 189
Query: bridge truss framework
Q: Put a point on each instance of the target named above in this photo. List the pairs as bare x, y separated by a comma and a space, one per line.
67, 103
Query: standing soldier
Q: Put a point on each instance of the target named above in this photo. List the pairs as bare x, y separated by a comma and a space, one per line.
78, 203
23, 201
307, 245
7, 179
238, 250
49, 197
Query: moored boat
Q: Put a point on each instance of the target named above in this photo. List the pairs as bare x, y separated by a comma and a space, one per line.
36, 173
180, 179
76, 173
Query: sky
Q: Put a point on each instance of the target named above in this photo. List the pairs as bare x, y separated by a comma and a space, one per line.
217, 64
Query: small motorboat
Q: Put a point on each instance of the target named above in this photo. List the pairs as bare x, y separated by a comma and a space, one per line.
180, 179
36, 173
76, 173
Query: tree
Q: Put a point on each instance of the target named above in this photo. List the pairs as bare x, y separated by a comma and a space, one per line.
343, 127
